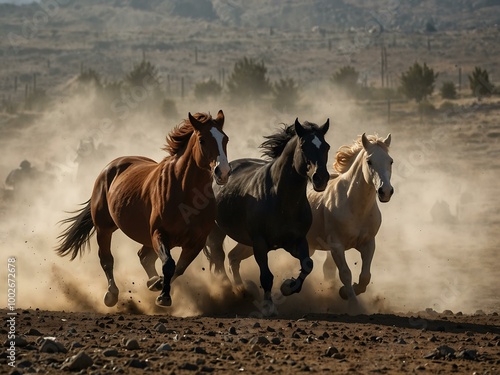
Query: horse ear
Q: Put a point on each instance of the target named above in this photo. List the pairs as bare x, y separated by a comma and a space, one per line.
324, 128
196, 124
365, 141
387, 140
220, 118
299, 129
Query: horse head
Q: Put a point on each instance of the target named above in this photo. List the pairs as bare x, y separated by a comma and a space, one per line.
212, 145
312, 154
377, 168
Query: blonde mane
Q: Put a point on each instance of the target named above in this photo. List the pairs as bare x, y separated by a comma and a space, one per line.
346, 154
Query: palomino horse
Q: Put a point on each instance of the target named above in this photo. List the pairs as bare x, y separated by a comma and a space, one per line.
264, 204
160, 205
346, 214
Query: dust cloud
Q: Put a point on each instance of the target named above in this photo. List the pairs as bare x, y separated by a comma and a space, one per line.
423, 259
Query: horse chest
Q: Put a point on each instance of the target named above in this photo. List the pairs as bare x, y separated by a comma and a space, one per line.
354, 229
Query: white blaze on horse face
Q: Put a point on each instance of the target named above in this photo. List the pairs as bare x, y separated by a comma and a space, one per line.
316, 142
222, 162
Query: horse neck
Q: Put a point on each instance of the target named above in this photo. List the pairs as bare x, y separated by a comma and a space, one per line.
360, 193
186, 168
288, 182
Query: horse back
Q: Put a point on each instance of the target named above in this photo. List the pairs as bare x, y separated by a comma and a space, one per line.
121, 196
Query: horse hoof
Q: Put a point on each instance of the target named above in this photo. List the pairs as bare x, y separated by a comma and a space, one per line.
343, 293
290, 286
269, 309
110, 299
163, 301
155, 284
358, 289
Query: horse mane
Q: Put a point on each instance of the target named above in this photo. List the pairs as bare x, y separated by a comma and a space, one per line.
178, 138
346, 154
276, 143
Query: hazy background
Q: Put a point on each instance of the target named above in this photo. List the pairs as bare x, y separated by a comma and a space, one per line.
419, 263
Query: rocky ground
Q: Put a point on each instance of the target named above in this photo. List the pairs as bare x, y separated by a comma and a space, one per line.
428, 342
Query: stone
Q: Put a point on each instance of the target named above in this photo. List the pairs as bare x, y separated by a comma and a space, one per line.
78, 362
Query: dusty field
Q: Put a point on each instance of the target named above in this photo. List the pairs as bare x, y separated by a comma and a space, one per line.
381, 343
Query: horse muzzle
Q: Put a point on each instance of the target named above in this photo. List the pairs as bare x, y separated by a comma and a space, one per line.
222, 173
320, 180
385, 194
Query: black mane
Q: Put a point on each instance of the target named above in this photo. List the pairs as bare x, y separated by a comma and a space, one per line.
276, 143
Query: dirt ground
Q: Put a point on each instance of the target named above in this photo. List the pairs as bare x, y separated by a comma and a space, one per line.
428, 343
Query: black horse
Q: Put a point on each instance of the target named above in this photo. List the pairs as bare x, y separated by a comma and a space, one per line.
264, 204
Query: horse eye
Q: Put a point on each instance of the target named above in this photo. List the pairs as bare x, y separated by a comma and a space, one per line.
369, 162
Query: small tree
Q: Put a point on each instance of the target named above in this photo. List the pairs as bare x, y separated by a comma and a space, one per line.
89, 77
346, 78
448, 90
479, 82
286, 94
207, 89
143, 73
248, 80
418, 82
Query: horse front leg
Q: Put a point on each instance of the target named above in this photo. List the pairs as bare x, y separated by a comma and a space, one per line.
347, 290
148, 257
260, 250
301, 252
160, 244
367, 251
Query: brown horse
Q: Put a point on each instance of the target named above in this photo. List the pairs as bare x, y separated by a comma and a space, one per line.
160, 205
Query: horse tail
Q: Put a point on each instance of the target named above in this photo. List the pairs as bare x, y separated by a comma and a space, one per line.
208, 254
76, 237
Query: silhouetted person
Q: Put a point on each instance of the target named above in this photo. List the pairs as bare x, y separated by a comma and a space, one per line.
20, 180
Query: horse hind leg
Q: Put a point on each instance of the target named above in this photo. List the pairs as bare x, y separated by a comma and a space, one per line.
148, 259
329, 269
214, 251
235, 256
107, 263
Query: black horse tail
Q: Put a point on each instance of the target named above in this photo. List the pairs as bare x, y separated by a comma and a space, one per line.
76, 237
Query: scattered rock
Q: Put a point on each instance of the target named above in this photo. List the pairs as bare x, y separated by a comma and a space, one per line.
49, 345
164, 348
188, 366
132, 344
276, 340
160, 328
78, 362
331, 351
199, 350
110, 352
34, 332
259, 340
443, 351
232, 331
468, 354
136, 363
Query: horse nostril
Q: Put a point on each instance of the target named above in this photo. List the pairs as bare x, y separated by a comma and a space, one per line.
392, 191
380, 191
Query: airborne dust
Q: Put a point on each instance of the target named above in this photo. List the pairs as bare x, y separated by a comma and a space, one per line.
435, 249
